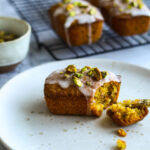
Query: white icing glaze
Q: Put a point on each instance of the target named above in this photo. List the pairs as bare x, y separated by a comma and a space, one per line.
144, 11
82, 18
88, 91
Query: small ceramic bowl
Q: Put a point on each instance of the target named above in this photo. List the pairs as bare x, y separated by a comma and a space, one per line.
13, 52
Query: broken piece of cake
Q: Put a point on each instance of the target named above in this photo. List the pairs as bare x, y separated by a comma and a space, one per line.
128, 112
85, 91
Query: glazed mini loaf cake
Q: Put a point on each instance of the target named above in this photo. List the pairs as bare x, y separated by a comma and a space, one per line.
76, 21
85, 91
126, 17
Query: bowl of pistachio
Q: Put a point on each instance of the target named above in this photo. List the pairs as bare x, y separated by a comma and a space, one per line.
14, 42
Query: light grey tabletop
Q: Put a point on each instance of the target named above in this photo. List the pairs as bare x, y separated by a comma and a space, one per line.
138, 55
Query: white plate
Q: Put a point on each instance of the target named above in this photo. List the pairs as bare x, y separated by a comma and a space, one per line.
26, 124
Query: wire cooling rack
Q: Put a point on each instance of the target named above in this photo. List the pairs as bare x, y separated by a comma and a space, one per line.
36, 13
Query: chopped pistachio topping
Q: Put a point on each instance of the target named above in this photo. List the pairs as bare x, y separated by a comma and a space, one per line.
88, 83
77, 3
104, 74
72, 13
77, 81
85, 68
66, 1
71, 69
90, 73
66, 75
69, 7
61, 72
83, 5
92, 11
78, 75
133, 3
97, 74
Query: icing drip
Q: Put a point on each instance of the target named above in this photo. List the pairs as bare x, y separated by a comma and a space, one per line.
117, 7
90, 33
88, 91
67, 37
80, 16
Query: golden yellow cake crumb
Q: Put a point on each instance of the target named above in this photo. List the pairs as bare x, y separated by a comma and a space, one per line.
125, 114
121, 132
121, 145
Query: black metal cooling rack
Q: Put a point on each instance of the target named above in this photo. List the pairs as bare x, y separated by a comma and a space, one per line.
36, 13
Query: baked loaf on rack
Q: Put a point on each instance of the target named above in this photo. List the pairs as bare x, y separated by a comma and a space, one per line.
126, 17
85, 91
77, 22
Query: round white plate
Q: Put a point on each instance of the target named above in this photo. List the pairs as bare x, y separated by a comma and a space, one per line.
26, 123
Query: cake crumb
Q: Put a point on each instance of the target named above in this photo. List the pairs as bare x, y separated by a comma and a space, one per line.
32, 112
121, 132
40, 112
75, 128
65, 130
28, 119
41, 133
77, 121
89, 132
121, 145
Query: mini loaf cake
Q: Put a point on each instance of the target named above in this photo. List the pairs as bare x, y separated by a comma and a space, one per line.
76, 21
126, 17
85, 91
128, 112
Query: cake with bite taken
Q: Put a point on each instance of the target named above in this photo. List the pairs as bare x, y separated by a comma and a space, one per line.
77, 22
85, 91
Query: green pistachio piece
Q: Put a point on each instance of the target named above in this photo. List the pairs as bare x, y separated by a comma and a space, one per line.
83, 5
78, 75
77, 3
97, 74
140, 6
92, 11
77, 81
104, 74
85, 68
72, 13
133, 4
9, 37
66, 1
66, 75
88, 83
61, 72
90, 73
71, 69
